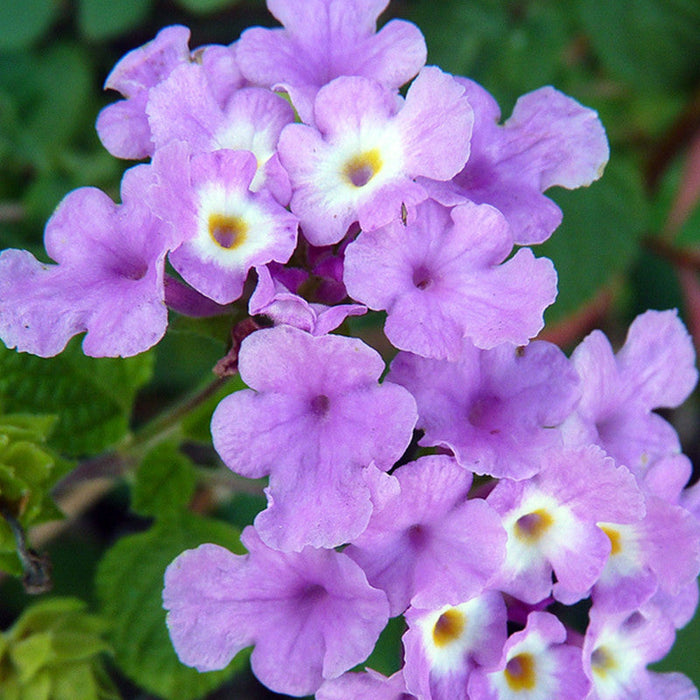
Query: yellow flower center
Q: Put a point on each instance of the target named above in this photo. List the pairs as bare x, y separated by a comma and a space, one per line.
615, 539
602, 661
533, 525
449, 627
362, 168
520, 672
228, 232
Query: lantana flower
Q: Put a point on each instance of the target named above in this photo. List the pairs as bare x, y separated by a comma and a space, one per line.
358, 163
620, 392
443, 277
442, 647
317, 421
550, 139
311, 615
123, 127
537, 664
324, 39
184, 108
420, 546
552, 523
108, 279
225, 228
498, 409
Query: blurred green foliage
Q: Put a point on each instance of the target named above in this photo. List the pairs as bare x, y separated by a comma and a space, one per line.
635, 62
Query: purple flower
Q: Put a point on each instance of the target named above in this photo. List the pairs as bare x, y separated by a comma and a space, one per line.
442, 647
314, 419
324, 39
108, 280
272, 299
442, 278
369, 685
360, 160
184, 107
536, 663
123, 126
552, 523
430, 545
495, 409
654, 369
549, 140
225, 228
617, 649
311, 615
661, 551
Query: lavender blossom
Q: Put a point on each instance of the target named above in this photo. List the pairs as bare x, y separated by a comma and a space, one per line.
315, 419
495, 409
550, 139
360, 160
430, 545
444, 277
108, 279
326, 39
311, 615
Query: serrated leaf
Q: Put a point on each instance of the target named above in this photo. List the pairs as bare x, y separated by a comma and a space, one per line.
93, 397
74, 645
129, 585
598, 238
164, 484
23, 22
104, 19
44, 614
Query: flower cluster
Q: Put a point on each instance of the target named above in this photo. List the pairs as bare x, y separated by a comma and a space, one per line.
523, 510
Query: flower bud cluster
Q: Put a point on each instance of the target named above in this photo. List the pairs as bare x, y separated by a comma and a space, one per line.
523, 510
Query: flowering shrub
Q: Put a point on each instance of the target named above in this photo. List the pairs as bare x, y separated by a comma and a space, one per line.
523, 510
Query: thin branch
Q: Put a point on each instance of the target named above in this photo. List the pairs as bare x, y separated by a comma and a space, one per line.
685, 258
36, 567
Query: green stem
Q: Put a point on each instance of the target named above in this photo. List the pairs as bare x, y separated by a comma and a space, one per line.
128, 453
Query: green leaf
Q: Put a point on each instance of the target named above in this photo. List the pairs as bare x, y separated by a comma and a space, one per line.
197, 424
9, 561
655, 43
52, 93
598, 238
509, 47
165, 482
104, 19
130, 584
53, 652
22, 22
202, 7
93, 397
31, 654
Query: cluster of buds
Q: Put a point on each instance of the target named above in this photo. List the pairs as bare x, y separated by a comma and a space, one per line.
290, 177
